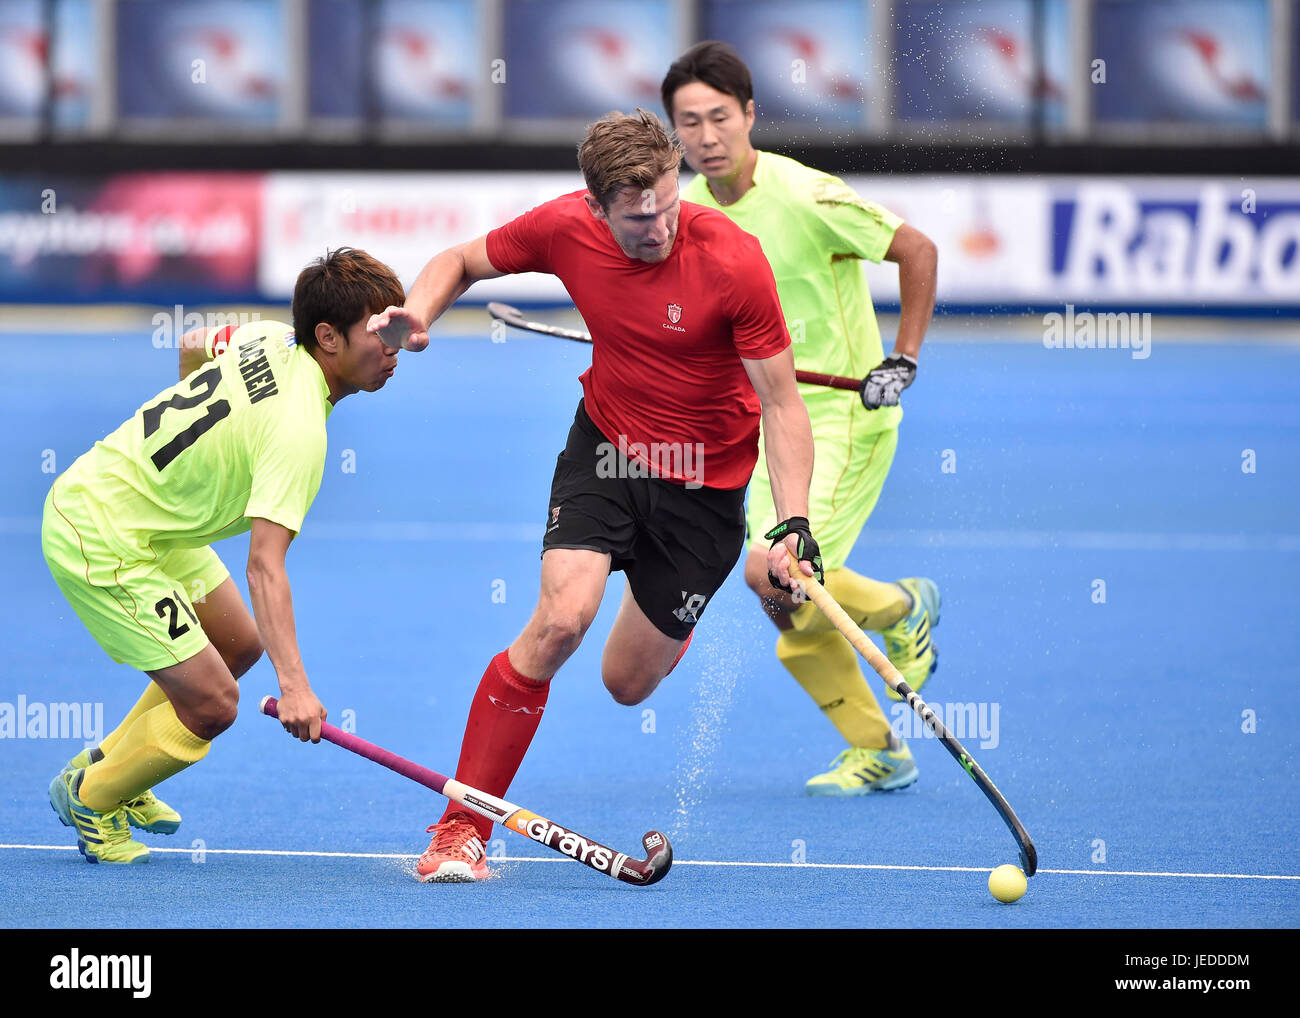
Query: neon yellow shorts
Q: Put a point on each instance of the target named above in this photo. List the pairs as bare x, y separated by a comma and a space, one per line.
849, 470
140, 611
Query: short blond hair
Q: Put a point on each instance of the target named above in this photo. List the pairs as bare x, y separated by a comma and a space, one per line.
626, 150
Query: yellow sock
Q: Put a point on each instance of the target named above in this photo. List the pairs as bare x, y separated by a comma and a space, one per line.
826, 665
151, 698
873, 605
154, 748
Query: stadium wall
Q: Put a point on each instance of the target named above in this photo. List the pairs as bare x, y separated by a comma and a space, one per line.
1211, 245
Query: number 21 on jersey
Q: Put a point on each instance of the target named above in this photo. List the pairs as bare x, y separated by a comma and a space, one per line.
202, 387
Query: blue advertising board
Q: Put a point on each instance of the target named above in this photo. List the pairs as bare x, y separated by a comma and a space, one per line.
811, 63
976, 63
1184, 62
219, 60
567, 59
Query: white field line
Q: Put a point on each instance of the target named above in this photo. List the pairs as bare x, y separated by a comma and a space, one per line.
1031, 540
688, 862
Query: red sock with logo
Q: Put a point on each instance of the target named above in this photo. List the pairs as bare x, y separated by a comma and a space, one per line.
503, 718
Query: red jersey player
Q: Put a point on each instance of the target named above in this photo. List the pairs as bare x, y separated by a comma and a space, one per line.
689, 347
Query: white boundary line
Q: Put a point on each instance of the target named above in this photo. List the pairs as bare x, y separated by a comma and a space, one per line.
688, 862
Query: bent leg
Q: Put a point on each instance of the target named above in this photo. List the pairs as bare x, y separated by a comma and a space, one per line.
573, 582
826, 666
202, 699
688, 545
142, 616
230, 626
216, 601
637, 655
511, 697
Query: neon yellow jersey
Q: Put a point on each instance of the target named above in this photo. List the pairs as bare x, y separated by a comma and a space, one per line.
814, 230
242, 436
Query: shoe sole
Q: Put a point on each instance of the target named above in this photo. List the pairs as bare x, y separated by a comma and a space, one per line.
59, 801
449, 873
160, 827
91, 857
893, 784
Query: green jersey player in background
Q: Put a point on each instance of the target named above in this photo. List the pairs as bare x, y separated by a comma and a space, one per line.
238, 445
815, 231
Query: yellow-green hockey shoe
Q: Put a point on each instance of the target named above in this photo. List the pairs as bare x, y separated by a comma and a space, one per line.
149, 813
101, 837
146, 811
908, 642
857, 771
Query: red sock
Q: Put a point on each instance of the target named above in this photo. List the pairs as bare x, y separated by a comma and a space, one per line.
503, 718
680, 653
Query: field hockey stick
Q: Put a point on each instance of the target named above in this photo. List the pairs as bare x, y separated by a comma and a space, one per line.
513, 317
885, 669
642, 872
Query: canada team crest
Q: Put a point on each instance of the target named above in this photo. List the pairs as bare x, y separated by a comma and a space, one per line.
674, 313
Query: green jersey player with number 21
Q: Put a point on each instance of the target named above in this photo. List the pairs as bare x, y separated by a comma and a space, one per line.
238, 445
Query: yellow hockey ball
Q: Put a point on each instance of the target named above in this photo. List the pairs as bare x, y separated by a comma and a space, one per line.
1007, 883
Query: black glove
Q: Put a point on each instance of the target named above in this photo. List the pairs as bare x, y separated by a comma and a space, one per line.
887, 380
808, 550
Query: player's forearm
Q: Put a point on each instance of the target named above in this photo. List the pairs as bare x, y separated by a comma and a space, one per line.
787, 434
918, 276
193, 351
268, 588
439, 285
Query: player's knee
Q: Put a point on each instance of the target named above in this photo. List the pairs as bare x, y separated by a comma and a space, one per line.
631, 679
627, 690
240, 658
563, 629
215, 713
627, 698
225, 708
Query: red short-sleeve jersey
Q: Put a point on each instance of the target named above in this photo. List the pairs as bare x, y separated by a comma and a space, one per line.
667, 337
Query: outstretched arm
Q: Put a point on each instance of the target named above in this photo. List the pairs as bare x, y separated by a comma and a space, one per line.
439, 285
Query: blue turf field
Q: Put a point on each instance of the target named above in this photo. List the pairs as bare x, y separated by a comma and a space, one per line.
1118, 723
